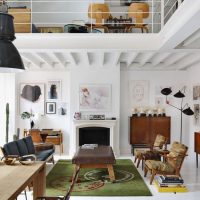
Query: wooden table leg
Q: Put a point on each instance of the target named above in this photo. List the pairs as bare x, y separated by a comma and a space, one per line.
111, 173
39, 183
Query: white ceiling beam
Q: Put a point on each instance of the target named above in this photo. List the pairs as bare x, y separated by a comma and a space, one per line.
175, 57
72, 58
29, 58
102, 58
46, 59
131, 58
58, 60
87, 58
146, 57
116, 59
192, 38
160, 57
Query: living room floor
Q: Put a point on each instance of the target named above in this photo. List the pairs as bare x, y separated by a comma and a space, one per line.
189, 172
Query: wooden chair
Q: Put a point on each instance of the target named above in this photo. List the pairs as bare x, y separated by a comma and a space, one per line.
99, 11
139, 11
172, 164
152, 152
67, 197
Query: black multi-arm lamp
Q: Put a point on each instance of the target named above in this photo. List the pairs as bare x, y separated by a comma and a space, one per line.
10, 59
183, 109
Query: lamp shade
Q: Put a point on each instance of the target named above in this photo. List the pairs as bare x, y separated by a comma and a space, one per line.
188, 111
10, 59
166, 91
6, 27
179, 94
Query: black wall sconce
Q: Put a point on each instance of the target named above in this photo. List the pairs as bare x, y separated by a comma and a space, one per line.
183, 108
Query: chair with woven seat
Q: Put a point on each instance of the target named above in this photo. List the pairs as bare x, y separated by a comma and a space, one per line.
138, 11
152, 152
171, 165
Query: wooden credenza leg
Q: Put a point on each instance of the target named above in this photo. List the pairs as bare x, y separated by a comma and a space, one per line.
111, 173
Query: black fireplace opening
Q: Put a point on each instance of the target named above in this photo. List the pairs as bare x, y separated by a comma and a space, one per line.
94, 135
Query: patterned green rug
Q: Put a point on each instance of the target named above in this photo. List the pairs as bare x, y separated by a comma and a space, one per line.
96, 182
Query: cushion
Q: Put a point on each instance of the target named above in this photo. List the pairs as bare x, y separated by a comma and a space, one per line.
11, 149
29, 144
159, 141
22, 147
159, 165
43, 155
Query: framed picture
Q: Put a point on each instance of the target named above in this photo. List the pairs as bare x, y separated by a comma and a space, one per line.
50, 107
94, 97
139, 93
54, 89
31, 98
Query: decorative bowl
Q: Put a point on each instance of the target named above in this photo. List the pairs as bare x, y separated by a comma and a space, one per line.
9, 161
27, 160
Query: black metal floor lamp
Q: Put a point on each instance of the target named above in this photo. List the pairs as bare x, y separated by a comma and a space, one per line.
183, 108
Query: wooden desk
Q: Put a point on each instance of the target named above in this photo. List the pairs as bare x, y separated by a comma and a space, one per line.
197, 145
54, 136
15, 178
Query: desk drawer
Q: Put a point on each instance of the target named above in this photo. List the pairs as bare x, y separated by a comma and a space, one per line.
55, 140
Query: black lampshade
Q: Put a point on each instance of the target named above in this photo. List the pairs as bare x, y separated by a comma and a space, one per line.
166, 91
10, 59
6, 27
188, 111
179, 94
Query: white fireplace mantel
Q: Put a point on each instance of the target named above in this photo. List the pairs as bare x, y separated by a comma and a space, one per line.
111, 124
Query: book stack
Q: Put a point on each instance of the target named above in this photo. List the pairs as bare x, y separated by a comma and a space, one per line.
170, 183
89, 146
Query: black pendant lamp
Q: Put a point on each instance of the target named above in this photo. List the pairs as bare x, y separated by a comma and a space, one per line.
10, 59
179, 94
166, 91
188, 111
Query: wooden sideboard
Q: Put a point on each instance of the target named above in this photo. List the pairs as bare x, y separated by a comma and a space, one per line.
53, 135
143, 130
22, 19
197, 145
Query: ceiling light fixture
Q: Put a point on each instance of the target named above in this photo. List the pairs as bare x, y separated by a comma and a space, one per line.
10, 59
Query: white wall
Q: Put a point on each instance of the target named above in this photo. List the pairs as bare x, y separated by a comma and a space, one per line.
7, 88
95, 75
48, 121
155, 78
193, 74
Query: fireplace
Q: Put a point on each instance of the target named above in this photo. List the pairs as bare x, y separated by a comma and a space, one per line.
95, 129
94, 135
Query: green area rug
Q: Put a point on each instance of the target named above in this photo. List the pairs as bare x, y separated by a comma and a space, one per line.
96, 182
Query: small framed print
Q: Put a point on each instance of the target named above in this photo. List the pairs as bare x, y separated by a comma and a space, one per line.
54, 90
50, 107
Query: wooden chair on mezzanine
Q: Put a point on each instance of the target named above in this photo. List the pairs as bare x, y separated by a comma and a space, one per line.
172, 164
99, 12
138, 11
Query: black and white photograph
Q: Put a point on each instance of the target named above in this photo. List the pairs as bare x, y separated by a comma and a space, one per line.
54, 89
50, 107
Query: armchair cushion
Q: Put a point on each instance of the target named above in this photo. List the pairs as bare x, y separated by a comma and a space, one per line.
11, 149
29, 144
159, 166
43, 155
22, 148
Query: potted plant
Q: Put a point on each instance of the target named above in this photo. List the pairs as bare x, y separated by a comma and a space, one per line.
28, 115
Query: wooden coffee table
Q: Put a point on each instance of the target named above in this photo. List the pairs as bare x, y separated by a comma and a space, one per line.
99, 157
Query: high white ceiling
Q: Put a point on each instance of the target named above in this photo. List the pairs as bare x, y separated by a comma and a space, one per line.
171, 49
